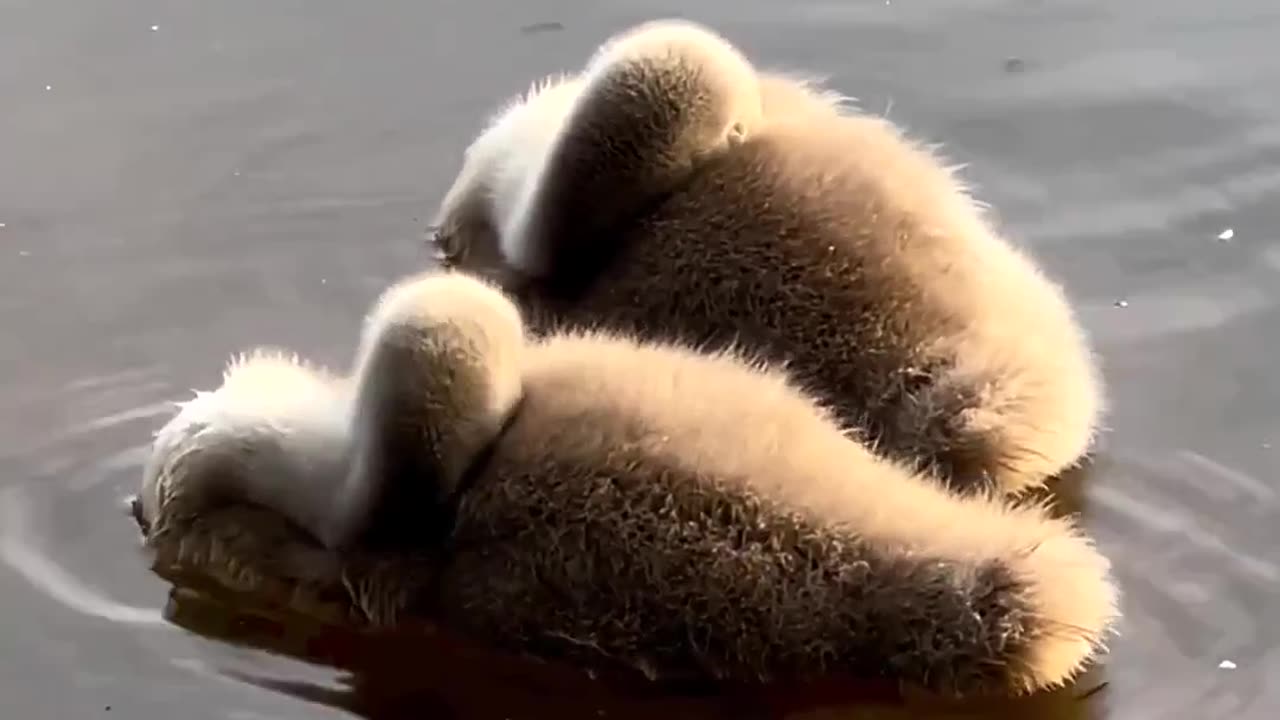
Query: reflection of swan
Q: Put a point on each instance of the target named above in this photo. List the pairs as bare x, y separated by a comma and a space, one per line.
672, 190
47, 576
610, 502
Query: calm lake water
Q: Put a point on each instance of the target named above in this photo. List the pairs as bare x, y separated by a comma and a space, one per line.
180, 180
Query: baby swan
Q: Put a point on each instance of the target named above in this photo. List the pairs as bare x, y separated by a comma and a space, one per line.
671, 190
610, 502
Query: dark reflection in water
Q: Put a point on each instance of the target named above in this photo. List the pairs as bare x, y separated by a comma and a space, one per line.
180, 179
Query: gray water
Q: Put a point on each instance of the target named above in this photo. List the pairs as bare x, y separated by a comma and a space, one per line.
180, 180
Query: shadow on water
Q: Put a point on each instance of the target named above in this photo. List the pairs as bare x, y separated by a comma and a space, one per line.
182, 179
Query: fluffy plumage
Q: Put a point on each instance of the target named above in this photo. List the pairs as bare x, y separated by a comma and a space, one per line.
632, 504
672, 192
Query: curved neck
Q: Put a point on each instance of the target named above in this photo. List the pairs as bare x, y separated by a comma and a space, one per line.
417, 427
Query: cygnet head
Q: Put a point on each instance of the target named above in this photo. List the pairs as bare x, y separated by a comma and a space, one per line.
495, 169
275, 433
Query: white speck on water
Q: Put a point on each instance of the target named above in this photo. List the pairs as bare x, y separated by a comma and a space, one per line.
2, 226
1226, 234
24, 253
48, 87
1227, 665
155, 28
323, 281
1122, 303
236, 173
1266, 446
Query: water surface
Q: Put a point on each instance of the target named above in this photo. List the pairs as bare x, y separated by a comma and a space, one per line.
180, 180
